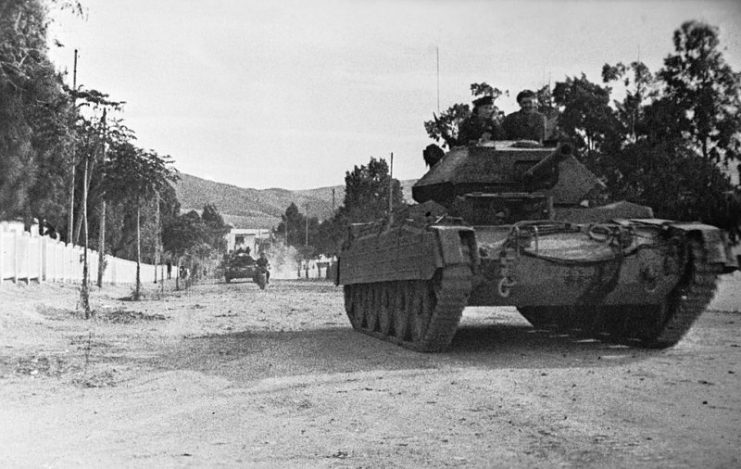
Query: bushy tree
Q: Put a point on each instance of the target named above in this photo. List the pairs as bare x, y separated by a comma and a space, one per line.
367, 192
215, 227
183, 233
294, 227
135, 176
586, 115
705, 92
664, 143
366, 199
34, 116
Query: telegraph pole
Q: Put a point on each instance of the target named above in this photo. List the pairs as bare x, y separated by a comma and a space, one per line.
102, 209
71, 215
391, 185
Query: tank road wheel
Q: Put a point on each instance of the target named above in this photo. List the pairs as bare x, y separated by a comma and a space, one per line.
404, 308
437, 307
373, 292
419, 317
386, 307
422, 315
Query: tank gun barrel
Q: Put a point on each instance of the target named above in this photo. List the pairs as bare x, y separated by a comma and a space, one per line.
545, 167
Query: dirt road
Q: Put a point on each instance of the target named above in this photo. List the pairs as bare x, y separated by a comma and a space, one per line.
231, 376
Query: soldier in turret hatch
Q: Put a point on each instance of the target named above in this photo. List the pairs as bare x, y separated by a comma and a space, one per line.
527, 123
480, 127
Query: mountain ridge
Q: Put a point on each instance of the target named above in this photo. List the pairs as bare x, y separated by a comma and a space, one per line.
244, 207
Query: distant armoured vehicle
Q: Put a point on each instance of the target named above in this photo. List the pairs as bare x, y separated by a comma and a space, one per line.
512, 224
242, 265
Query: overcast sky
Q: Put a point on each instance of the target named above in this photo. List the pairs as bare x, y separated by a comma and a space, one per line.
292, 94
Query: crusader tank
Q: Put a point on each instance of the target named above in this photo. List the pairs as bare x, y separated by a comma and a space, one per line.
514, 224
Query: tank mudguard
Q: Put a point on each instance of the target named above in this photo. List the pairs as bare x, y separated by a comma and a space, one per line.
407, 252
715, 243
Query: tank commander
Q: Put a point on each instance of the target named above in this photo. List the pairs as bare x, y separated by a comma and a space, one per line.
527, 123
480, 127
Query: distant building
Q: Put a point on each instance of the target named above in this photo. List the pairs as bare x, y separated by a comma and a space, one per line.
251, 238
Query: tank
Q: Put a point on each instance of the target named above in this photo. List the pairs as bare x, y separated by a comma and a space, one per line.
516, 224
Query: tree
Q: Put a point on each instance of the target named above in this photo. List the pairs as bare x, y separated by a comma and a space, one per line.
33, 116
134, 175
641, 88
705, 92
585, 112
216, 228
183, 233
294, 227
366, 199
367, 192
192, 236
662, 143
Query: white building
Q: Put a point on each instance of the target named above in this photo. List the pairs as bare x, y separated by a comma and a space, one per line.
246, 237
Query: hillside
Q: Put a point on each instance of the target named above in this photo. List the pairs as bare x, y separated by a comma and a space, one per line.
259, 208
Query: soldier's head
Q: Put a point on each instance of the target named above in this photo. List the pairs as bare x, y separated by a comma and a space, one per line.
528, 101
483, 106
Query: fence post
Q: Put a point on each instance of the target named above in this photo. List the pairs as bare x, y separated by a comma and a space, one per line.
64, 262
42, 258
15, 257
40, 266
2, 255
28, 257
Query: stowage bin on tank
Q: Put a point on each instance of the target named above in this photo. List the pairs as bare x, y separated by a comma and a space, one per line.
513, 224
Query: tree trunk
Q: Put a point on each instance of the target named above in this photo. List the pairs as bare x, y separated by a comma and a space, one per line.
101, 243
87, 178
84, 290
71, 215
138, 251
158, 243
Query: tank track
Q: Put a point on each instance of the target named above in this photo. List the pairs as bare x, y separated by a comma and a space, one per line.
663, 326
421, 315
687, 302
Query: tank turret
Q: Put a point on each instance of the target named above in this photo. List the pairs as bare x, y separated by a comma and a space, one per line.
505, 182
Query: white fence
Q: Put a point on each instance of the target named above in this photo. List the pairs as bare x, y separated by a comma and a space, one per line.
26, 257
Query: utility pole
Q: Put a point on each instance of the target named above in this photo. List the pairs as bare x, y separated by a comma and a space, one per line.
333, 205
158, 243
391, 190
71, 215
101, 214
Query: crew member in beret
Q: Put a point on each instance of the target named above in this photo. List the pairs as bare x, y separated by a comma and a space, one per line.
480, 126
527, 123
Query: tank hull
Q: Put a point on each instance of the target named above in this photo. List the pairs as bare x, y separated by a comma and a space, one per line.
641, 281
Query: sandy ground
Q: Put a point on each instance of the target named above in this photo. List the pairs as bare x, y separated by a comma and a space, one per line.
231, 376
